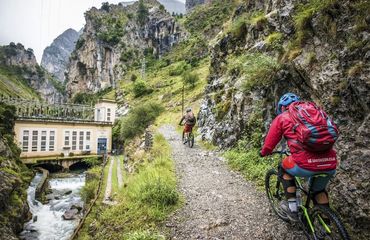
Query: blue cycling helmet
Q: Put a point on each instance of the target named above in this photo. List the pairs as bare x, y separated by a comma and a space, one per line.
285, 100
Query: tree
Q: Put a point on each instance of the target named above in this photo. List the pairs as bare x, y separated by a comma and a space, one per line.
142, 13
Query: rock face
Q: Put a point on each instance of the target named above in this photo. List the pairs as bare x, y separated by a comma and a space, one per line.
323, 57
23, 62
189, 4
55, 58
115, 37
15, 178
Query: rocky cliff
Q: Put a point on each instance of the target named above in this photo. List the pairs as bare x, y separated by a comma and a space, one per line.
15, 178
55, 58
117, 37
19, 65
317, 49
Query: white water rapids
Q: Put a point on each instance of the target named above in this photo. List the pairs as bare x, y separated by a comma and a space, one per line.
49, 224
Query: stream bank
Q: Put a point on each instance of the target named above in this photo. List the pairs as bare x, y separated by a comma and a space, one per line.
49, 219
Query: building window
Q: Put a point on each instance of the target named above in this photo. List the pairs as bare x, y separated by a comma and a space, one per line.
108, 114
35, 135
66, 138
74, 140
43, 141
25, 140
81, 142
88, 135
51, 140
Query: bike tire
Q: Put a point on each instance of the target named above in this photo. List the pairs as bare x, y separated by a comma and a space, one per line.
275, 193
336, 226
191, 140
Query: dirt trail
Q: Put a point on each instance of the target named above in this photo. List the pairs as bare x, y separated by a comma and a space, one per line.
220, 204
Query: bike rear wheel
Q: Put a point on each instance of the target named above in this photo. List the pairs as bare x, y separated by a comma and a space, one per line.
275, 193
191, 140
327, 224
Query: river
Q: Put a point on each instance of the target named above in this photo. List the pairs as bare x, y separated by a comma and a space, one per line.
47, 222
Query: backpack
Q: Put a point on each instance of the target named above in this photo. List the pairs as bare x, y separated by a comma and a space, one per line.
192, 120
315, 130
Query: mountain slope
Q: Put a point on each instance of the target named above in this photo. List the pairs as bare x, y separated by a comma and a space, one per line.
21, 76
55, 58
317, 49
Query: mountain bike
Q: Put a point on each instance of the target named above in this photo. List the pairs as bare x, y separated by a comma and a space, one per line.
317, 221
188, 139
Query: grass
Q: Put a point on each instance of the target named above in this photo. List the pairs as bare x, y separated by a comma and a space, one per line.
149, 196
13, 84
256, 69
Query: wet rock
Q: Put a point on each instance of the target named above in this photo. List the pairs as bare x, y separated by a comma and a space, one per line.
70, 214
68, 192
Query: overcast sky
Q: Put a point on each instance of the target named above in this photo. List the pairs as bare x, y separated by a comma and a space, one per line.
36, 23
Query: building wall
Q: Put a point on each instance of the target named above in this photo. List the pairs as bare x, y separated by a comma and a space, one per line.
45, 129
105, 111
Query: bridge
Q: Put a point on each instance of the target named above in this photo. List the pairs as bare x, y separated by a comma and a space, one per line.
57, 163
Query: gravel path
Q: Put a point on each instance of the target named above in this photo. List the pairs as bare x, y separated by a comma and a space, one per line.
220, 204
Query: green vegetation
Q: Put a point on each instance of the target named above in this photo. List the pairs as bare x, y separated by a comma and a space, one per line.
88, 192
256, 69
16, 175
142, 13
136, 121
90, 98
274, 38
304, 14
190, 78
92, 161
149, 196
141, 88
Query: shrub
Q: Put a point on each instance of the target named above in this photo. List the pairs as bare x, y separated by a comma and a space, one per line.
142, 13
133, 77
257, 69
88, 191
239, 27
137, 120
93, 161
178, 68
80, 42
140, 88
190, 78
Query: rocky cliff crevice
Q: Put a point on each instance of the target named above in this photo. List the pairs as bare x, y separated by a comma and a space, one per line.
318, 49
55, 58
116, 37
22, 63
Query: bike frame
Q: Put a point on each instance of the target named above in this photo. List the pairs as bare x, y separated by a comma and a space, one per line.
306, 206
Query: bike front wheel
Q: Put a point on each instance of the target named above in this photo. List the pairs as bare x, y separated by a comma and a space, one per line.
327, 224
275, 193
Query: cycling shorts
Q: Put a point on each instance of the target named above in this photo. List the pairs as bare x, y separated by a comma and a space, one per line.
188, 128
319, 183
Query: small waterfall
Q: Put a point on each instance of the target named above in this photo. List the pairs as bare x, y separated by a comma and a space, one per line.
47, 222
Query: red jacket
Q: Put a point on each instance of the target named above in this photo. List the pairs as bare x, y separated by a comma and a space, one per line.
281, 126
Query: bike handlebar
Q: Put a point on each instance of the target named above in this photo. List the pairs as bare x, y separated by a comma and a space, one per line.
284, 152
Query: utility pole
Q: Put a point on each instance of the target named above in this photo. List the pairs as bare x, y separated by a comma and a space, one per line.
143, 69
183, 98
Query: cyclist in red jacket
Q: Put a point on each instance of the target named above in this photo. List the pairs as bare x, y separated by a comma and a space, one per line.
301, 162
